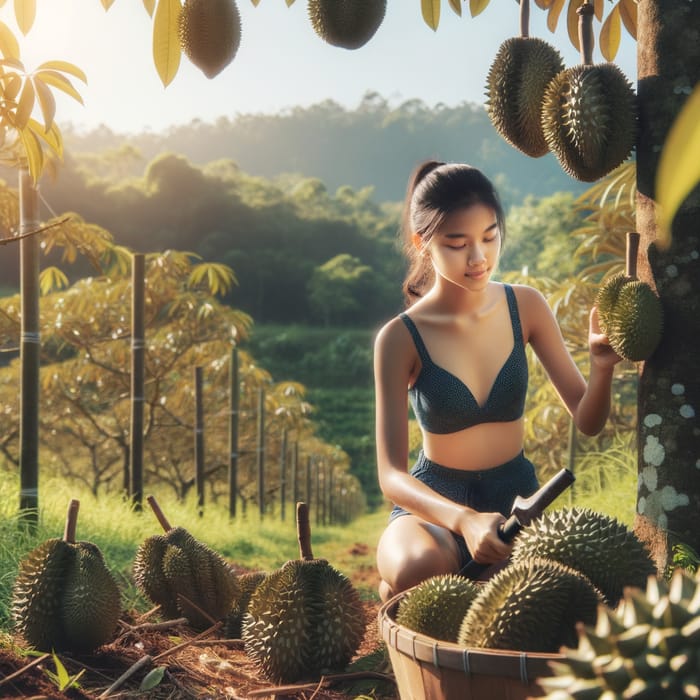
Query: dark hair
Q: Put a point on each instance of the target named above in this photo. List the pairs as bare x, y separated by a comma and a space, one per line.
435, 190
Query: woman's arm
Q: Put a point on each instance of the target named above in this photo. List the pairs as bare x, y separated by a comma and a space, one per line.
587, 402
394, 365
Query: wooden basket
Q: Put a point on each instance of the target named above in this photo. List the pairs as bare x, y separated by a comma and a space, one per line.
428, 669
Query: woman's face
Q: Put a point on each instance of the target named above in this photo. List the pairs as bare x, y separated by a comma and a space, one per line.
466, 248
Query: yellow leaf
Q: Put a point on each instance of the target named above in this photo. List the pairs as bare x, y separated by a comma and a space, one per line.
255, 2
456, 5
107, 4
555, 9
543, 4
52, 77
166, 42
33, 153
431, 12
25, 13
52, 278
679, 166
628, 12
476, 7
150, 5
47, 102
598, 9
290, 3
63, 67
572, 22
51, 136
8, 43
12, 85
25, 105
610, 34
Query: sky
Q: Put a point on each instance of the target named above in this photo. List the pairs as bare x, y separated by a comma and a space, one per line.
280, 64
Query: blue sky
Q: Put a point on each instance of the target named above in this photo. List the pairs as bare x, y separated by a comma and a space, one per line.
281, 62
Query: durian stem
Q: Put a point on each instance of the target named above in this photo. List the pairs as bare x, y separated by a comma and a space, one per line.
585, 32
71, 521
524, 18
304, 531
164, 523
632, 250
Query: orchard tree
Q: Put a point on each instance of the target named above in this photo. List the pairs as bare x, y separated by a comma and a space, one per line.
668, 68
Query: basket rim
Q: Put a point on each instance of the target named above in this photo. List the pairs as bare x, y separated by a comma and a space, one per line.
525, 666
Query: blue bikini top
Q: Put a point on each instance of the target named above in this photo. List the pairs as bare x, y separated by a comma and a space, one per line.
442, 403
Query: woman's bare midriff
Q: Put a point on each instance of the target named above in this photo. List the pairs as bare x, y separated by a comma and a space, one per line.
479, 447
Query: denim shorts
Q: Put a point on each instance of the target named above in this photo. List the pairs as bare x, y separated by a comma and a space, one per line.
485, 490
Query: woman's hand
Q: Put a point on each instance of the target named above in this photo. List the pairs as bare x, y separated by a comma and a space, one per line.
480, 531
602, 353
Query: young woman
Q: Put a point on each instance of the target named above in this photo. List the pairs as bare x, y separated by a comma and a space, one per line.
460, 352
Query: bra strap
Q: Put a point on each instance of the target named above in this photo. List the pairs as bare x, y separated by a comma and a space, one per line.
514, 315
418, 341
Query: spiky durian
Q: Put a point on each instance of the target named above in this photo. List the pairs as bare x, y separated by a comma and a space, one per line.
530, 606
304, 619
589, 119
631, 316
515, 87
210, 33
597, 545
648, 648
437, 606
185, 577
64, 597
348, 24
247, 582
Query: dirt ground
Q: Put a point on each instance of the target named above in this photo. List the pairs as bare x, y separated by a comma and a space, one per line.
187, 665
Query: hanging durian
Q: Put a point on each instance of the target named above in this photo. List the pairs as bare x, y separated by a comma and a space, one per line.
648, 648
348, 24
64, 597
303, 619
588, 112
437, 606
184, 576
530, 606
630, 313
597, 545
210, 33
515, 87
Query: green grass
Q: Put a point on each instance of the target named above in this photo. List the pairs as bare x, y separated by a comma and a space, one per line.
118, 530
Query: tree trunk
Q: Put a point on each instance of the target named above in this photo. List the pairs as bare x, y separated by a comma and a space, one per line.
668, 498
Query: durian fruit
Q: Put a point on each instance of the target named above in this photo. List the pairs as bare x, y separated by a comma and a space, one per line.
530, 606
629, 311
248, 583
64, 597
348, 24
649, 648
437, 606
303, 619
210, 33
597, 545
184, 576
588, 113
515, 85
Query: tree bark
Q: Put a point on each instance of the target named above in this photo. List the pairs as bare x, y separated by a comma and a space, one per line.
668, 498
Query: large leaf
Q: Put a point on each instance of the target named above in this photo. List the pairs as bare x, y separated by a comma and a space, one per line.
58, 80
628, 13
555, 8
63, 67
9, 47
431, 12
166, 42
47, 102
476, 7
456, 5
679, 166
610, 34
25, 13
33, 152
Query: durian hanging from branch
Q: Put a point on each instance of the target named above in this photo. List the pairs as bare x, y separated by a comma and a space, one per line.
515, 87
64, 597
348, 24
589, 112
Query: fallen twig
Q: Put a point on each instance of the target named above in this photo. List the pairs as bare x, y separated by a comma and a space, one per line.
156, 626
13, 239
316, 685
189, 642
20, 671
141, 663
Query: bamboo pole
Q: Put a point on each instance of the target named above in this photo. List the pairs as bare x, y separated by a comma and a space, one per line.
138, 352
283, 470
261, 452
234, 404
199, 439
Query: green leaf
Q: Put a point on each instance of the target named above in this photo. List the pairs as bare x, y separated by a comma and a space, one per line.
47, 102
25, 13
476, 7
63, 67
152, 678
431, 13
679, 166
610, 34
61, 673
8, 43
166, 42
